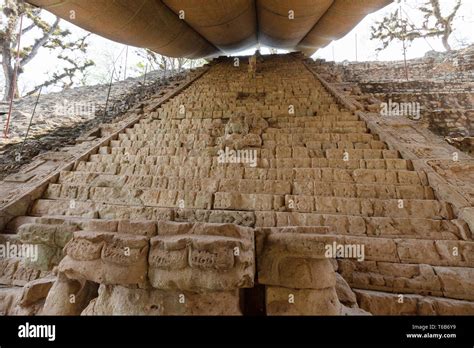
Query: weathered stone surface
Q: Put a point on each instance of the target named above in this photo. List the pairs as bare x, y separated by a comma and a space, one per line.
143, 228
467, 214
353, 311
119, 300
17, 271
51, 235
201, 257
27, 300
456, 282
380, 303
423, 279
294, 258
107, 258
69, 296
36, 290
344, 292
47, 257
284, 301
9, 300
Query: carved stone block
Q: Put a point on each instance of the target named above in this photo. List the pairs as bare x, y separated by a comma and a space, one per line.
201, 257
294, 257
120, 300
106, 258
285, 301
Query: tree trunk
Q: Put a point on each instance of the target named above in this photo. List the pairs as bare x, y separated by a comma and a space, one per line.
446, 35
11, 84
8, 74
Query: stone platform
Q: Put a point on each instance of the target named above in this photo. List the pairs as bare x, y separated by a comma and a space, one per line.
234, 189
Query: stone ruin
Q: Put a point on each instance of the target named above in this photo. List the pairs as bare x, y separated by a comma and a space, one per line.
442, 83
345, 213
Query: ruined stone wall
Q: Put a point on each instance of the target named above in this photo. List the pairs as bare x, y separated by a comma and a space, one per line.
455, 66
446, 107
442, 83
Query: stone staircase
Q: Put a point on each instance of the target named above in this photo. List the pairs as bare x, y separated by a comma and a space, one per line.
235, 187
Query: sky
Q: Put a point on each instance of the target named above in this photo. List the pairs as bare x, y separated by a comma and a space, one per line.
104, 51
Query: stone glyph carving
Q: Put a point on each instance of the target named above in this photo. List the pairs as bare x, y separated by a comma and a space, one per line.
201, 256
243, 130
107, 258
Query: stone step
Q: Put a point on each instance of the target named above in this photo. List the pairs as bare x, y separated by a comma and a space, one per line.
279, 152
317, 130
151, 187
384, 191
361, 154
306, 106
289, 163
286, 139
422, 279
389, 227
360, 176
73, 181
131, 196
317, 145
295, 123
202, 126
265, 153
334, 205
383, 303
78, 182
280, 122
321, 117
309, 242
385, 227
204, 143
95, 210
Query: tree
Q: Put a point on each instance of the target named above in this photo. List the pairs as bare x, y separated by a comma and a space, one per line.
51, 36
396, 26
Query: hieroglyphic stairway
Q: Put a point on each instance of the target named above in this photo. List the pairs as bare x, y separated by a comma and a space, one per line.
164, 219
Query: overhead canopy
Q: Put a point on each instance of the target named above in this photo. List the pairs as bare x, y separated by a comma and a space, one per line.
205, 28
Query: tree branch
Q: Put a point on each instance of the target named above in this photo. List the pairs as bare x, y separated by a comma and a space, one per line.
40, 43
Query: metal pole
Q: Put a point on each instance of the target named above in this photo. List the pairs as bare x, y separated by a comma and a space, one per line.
108, 92
13, 82
31, 120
